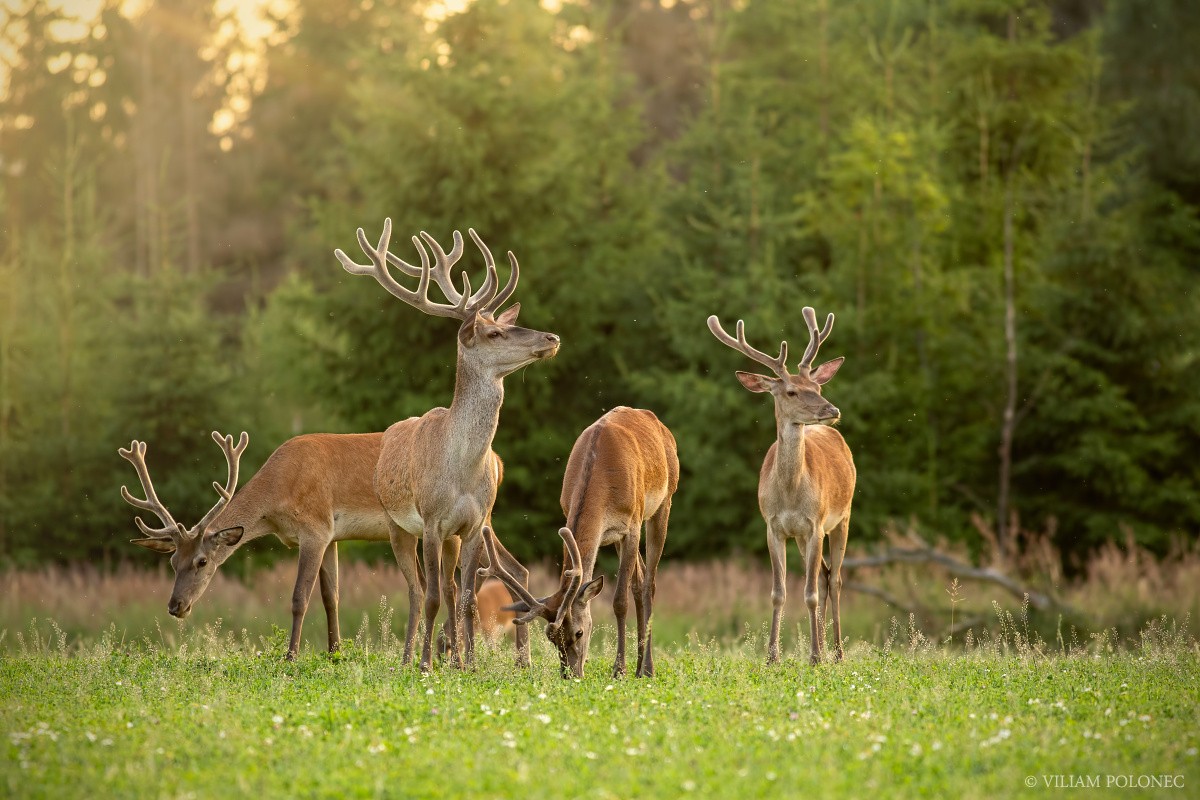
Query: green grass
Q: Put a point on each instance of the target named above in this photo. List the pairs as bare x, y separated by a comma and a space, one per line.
221, 716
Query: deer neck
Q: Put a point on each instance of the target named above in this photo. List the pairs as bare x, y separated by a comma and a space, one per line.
789, 452
474, 412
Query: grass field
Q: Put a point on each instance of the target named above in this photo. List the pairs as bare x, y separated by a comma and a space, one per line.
222, 715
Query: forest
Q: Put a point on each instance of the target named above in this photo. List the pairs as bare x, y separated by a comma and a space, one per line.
999, 199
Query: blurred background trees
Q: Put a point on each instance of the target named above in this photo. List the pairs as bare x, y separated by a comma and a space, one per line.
998, 199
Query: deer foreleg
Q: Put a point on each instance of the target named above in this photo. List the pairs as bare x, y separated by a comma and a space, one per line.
777, 546
308, 565
450, 549
837, 550
629, 562
467, 600
432, 548
404, 547
812, 597
329, 594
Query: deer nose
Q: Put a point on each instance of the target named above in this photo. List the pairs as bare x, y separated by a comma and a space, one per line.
552, 338
174, 607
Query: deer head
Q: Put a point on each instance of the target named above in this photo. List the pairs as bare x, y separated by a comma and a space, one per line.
567, 612
797, 397
488, 342
195, 552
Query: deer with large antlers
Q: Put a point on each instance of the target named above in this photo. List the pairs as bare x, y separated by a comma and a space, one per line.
623, 471
807, 479
314, 491
437, 473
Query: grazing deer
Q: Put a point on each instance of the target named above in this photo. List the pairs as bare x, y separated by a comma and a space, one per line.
437, 473
623, 470
807, 479
314, 491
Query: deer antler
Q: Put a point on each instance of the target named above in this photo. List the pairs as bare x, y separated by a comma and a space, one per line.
574, 575
136, 455
815, 337
536, 607
233, 456
462, 304
778, 364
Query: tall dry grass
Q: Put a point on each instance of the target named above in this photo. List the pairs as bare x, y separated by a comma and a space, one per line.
1121, 587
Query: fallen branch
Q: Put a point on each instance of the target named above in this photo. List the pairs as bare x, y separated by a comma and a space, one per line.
957, 567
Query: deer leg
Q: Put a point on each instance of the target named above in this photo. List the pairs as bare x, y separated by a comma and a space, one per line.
656, 540
329, 594
309, 563
450, 549
812, 575
517, 570
837, 550
777, 545
433, 590
404, 547
467, 602
629, 560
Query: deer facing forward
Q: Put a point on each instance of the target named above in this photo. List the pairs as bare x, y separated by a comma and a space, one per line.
806, 483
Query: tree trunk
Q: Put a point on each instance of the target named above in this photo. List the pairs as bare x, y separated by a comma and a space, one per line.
1009, 421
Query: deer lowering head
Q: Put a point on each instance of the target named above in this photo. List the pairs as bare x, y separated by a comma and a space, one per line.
488, 342
195, 552
567, 612
797, 397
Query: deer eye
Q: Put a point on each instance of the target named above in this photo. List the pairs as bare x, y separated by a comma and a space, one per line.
201, 562
791, 392
579, 634
495, 335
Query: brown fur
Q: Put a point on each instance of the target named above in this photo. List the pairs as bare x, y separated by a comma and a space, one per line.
806, 484
622, 472
313, 492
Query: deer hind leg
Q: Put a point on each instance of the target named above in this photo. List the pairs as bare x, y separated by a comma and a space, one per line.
329, 594
656, 540
837, 550
777, 545
467, 604
629, 562
813, 565
404, 547
307, 567
433, 589
517, 570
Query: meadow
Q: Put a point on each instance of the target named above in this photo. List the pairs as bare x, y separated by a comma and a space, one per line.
1020, 705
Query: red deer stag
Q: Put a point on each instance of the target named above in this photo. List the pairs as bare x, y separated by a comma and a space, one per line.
807, 479
623, 470
437, 473
313, 492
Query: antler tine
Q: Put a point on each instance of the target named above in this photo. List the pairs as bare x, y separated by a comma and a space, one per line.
815, 337
496, 570
136, 455
233, 457
487, 292
778, 365
379, 257
509, 287
443, 261
575, 574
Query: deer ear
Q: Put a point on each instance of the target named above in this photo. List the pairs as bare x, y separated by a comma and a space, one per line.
509, 315
157, 545
822, 374
756, 383
590, 590
469, 329
229, 537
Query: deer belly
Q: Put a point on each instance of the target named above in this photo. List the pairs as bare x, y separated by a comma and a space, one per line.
409, 520
360, 525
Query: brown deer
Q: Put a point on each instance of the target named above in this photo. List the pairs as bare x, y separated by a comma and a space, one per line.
623, 470
314, 491
437, 474
807, 479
